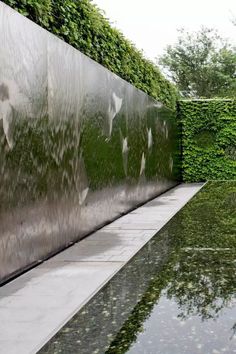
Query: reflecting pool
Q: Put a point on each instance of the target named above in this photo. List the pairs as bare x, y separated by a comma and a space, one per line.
176, 296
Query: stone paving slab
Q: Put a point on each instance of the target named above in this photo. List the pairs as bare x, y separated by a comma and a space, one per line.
37, 304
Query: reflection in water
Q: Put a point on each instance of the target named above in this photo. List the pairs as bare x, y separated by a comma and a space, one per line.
113, 109
177, 295
164, 332
143, 164
125, 149
149, 138
10, 97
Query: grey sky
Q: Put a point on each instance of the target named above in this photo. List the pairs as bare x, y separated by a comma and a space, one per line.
152, 24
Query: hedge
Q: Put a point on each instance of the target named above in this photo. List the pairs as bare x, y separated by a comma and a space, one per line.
82, 25
208, 139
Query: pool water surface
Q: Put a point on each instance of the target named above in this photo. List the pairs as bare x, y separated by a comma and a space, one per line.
176, 296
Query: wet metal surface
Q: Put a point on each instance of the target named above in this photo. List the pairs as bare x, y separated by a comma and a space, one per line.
78, 145
177, 295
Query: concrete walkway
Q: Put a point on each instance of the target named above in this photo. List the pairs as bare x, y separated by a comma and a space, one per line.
37, 304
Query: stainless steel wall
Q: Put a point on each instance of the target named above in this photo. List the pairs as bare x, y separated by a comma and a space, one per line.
78, 145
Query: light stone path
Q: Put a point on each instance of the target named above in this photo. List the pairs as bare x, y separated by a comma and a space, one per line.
37, 304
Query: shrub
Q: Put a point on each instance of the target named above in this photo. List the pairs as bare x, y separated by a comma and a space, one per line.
208, 139
82, 25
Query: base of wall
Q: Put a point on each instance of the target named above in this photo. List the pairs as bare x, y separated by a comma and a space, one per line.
36, 305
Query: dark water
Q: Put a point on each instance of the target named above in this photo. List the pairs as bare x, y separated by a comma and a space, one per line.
176, 296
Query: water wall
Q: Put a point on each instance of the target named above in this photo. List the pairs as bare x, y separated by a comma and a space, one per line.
78, 145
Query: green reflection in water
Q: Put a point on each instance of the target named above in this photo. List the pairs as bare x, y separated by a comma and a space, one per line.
200, 275
177, 295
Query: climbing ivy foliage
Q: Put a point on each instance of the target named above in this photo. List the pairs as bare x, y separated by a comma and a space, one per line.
81, 24
208, 139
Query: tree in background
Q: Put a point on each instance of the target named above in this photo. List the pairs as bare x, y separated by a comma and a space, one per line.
201, 64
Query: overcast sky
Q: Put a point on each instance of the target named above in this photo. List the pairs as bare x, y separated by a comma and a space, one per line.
152, 24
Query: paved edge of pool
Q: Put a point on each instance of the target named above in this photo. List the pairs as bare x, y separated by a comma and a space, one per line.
36, 305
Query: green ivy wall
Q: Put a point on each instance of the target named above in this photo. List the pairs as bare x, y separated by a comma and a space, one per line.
208, 126
208, 139
82, 25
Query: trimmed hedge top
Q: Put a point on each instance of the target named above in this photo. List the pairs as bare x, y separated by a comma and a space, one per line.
209, 139
82, 25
